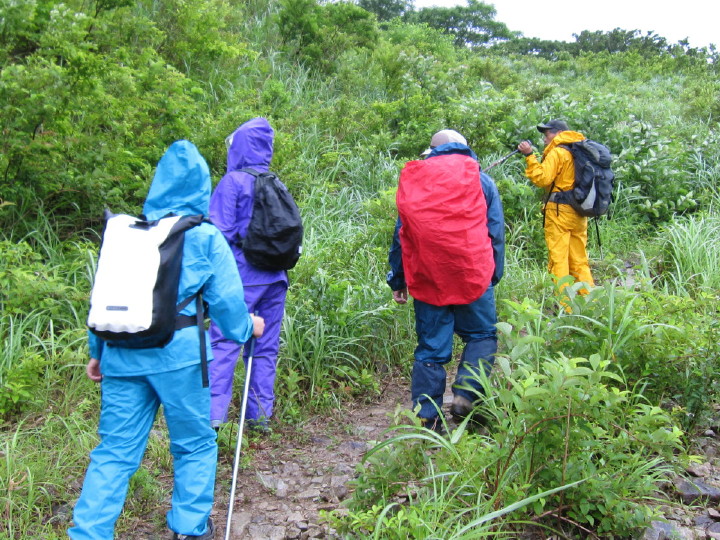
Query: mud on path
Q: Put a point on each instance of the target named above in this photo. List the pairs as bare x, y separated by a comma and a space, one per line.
289, 477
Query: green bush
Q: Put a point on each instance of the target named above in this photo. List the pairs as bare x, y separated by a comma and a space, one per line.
554, 423
663, 345
650, 172
320, 34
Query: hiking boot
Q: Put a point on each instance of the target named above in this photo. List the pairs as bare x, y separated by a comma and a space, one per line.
209, 534
434, 424
460, 408
260, 427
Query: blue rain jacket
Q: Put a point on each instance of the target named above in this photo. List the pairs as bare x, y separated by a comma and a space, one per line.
182, 185
495, 223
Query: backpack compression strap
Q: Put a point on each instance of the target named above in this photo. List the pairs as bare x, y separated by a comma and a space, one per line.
184, 321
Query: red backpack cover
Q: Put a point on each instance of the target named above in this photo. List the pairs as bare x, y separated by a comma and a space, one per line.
446, 249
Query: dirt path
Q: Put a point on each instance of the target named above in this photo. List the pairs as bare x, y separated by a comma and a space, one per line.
292, 475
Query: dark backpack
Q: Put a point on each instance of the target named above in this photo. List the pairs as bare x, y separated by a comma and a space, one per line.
274, 236
592, 191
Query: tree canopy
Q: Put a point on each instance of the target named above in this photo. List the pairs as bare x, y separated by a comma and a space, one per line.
471, 25
387, 9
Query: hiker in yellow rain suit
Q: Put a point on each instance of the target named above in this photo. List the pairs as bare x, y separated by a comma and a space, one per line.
565, 230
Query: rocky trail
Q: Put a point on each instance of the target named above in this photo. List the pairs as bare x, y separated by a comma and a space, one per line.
291, 478
288, 478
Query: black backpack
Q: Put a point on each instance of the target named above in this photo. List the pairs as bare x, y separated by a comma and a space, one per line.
274, 235
594, 179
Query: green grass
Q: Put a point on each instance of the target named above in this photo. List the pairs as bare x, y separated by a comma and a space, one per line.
691, 251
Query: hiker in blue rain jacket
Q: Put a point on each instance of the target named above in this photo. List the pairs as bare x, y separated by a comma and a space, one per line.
249, 146
435, 324
135, 382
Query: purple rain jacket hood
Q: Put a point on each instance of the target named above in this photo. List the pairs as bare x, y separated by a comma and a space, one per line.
251, 145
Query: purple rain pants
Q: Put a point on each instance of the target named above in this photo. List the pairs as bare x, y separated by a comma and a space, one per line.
269, 303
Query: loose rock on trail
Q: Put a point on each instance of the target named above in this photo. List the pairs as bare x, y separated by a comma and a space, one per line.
287, 480
289, 477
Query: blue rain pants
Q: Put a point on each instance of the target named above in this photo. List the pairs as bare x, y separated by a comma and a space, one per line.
435, 326
129, 407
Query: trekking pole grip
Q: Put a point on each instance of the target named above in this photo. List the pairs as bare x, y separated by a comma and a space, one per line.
253, 339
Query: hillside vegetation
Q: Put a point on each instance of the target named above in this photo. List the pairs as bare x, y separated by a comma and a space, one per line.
591, 409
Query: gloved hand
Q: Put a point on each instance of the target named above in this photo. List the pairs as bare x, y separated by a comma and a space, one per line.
525, 148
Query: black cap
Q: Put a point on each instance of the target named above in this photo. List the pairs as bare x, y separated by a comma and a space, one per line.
553, 125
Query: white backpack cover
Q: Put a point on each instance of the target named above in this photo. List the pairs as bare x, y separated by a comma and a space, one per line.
133, 303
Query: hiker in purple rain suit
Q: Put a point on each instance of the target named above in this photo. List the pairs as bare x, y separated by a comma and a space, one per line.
250, 146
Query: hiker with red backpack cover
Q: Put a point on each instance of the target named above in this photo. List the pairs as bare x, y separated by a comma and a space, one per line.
448, 253
136, 381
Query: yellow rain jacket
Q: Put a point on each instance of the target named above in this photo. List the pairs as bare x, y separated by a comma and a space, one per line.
565, 230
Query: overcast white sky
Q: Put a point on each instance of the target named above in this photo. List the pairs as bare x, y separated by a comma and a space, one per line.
697, 20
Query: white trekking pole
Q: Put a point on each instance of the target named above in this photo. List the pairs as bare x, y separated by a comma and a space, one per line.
236, 463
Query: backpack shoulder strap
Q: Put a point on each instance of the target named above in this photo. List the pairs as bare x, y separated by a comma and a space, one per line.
183, 321
255, 173
248, 170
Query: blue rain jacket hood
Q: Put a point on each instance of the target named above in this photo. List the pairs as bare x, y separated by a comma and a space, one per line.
251, 145
181, 184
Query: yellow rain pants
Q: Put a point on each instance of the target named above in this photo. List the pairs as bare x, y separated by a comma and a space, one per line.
566, 239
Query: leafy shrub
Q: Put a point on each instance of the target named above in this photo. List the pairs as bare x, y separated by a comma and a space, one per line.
702, 99
494, 71
319, 34
28, 283
650, 172
421, 38
662, 344
554, 423
95, 116
20, 373
199, 39
577, 422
